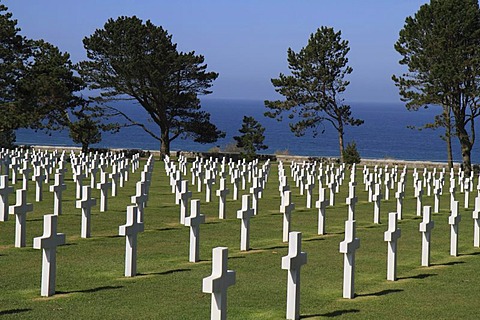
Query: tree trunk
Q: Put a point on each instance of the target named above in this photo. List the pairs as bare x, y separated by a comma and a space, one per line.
466, 147
340, 142
448, 138
85, 148
164, 145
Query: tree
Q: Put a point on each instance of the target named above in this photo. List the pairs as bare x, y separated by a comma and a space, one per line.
440, 45
251, 138
89, 124
37, 84
313, 91
132, 60
350, 154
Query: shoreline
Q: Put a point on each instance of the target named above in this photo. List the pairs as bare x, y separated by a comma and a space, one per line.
285, 158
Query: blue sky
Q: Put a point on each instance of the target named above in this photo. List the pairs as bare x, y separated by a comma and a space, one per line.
244, 41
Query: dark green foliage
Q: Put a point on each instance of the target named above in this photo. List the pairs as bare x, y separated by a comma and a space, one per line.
251, 138
350, 154
440, 45
37, 84
89, 124
313, 91
134, 60
7, 139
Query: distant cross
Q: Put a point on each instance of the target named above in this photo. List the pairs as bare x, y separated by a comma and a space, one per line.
48, 242
245, 214
321, 204
194, 221
209, 181
399, 195
139, 199
25, 171
377, 198
86, 204
391, 236
418, 195
293, 262
40, 177
185, 195
351, 201
104, 185
57, 188
218, 282
426, 227
476, 223
79, 177
130, 230
255, 191
453, 221
115, 177
222, 195
5, 190
288, 208
20, 210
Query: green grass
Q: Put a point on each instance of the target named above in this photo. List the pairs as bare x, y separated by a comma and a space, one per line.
90, 282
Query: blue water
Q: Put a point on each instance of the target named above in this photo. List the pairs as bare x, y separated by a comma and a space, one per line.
383, 135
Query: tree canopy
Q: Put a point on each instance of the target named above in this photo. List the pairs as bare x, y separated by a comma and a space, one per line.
134, 60
37, 82
251, 139
313, 91
440, 45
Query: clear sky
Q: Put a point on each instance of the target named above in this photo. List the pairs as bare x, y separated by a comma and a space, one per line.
245, 41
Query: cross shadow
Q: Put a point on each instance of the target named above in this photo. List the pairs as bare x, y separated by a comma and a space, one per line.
165, 229
90, 290
13, 311
419, 276
469, 254
380, 293
163, 272
274, 247
452, 263
313, 239
330, 314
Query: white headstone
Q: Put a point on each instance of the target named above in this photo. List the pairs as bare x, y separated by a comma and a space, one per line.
218, 282
20, 210
48, 242
5, 190
426, 227
130, 230
86, 204
391, 236
245, 214
453, 221
348, 248
222, 195
194, 221
293, 262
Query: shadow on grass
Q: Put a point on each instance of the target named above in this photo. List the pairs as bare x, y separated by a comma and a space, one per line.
13, 311
274, 247
469, 254
166, 229
330, 314
452, 263
90, 290
419, 276
163, 272
313, 239
380, 293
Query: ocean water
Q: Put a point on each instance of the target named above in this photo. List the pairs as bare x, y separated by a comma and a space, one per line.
385, 133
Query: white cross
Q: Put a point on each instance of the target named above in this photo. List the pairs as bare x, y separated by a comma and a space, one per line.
255, 191
453, 221
218, 282
130, 230
5, 190
351, 201
25, 171
139, 199
476, 223
377, 197
287, 209
194, 221
48, 242
20, 210
79, 177
399, 195
57, 189
391, 236
209, 181
321, 204
104, 185
348, 248
293, 262
114, 176
40, 177
185, 195
86, 204
222, 194
426, 227
418, 195
245, 214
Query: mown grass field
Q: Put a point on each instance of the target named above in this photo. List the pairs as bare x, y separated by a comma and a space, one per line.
91, 285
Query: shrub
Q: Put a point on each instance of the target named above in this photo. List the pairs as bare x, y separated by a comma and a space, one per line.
350, 154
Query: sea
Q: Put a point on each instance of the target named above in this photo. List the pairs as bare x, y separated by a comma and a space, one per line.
385, 134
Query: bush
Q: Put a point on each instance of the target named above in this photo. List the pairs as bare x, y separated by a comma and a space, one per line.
350, 154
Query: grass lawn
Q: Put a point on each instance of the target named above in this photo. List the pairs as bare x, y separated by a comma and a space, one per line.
91, 285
